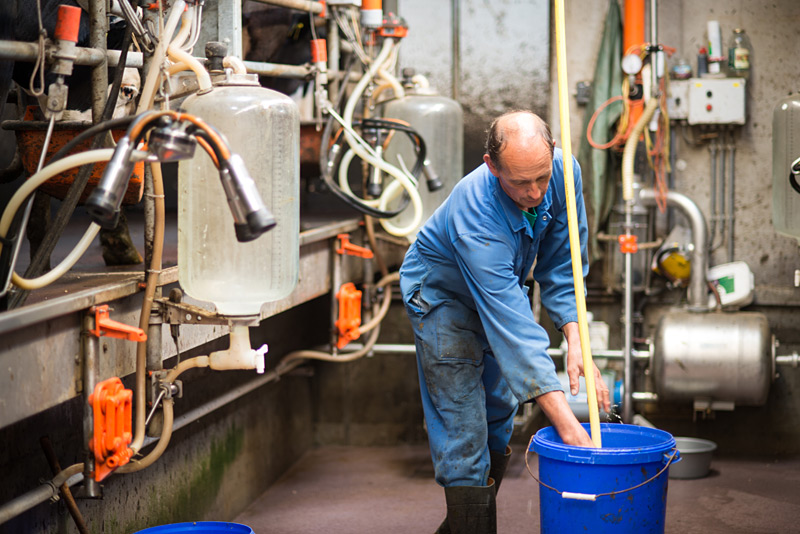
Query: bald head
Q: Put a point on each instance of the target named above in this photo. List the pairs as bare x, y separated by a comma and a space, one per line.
525, 130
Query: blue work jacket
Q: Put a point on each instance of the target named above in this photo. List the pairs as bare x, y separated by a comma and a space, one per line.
477, 248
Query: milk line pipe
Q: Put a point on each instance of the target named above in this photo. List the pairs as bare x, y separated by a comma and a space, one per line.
85, 56
66, 493
572, 219
300, 5
69, 476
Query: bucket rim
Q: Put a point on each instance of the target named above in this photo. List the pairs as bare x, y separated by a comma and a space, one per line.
634, 454
198, 527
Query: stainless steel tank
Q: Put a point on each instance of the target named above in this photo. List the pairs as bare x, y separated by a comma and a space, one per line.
717, 356
440, 122
785, 151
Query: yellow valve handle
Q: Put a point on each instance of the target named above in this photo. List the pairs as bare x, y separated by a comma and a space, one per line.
572, 217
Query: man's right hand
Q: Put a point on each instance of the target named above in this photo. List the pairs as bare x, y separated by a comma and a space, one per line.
554, 404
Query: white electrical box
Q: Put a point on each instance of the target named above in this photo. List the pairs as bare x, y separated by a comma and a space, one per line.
678, 99
716, 101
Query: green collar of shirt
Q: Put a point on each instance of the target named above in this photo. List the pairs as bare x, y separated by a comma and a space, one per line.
531, 217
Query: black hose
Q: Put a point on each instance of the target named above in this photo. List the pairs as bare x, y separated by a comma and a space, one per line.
355, 203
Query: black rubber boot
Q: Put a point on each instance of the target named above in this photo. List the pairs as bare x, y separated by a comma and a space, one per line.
471, 509
496, 471
498, 466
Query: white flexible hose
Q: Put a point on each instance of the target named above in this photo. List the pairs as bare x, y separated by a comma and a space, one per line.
186, 28
28, 187
154, 73
235, 63
386, 167
630, 149
180, 56
397, 87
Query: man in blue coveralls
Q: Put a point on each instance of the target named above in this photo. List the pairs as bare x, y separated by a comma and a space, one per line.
479, 350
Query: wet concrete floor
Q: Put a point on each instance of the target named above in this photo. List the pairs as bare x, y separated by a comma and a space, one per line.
391, 490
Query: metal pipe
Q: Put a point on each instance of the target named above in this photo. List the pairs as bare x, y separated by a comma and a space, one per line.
300, 5
336, 281
69, 476
98, 28
627, 403
91, 366
731, 195
456, 51
275, 69
698, 300
25, 51
411, 349
723, 208
712, 149
66, 493
334, 55
654, 41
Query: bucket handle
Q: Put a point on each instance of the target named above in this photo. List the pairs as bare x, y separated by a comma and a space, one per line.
673, 456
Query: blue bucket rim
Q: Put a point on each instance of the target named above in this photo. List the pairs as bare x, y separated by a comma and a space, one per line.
198, 527
544, 446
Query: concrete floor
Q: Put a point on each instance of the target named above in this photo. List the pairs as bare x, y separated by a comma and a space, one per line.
391, 490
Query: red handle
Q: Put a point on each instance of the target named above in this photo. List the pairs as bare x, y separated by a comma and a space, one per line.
69, 23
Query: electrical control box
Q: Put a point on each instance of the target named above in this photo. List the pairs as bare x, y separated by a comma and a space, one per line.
678, 99
716, 101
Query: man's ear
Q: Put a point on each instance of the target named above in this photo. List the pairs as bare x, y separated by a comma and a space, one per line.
489, 163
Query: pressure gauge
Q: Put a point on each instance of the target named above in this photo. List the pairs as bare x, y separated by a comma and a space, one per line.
631, 64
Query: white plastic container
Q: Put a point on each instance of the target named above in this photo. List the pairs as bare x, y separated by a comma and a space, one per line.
263, 127
734, 282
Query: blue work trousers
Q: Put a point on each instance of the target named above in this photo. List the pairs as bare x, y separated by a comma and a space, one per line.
469, 408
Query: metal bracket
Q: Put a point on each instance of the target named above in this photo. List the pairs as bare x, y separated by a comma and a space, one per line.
158, 384
182, 313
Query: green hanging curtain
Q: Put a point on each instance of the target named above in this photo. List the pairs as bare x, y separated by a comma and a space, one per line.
597, 166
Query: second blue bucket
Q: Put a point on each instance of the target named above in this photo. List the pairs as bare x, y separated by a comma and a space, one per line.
583, 490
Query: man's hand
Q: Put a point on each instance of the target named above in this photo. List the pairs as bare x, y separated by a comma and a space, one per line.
575, 367
555, 407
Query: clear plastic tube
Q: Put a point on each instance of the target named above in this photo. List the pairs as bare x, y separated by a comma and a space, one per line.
28, 187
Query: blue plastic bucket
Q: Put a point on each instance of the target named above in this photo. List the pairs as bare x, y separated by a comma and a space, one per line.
583, 490
200, 527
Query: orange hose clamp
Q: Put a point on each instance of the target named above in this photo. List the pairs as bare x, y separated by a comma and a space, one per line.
349, 314
111, 408
628, 244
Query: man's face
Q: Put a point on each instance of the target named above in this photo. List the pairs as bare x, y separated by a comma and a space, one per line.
524, 173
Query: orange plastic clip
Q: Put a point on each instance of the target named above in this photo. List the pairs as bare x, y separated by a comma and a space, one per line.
111, 407
349, 314
628, 244
105, 326
353, 250
324, 12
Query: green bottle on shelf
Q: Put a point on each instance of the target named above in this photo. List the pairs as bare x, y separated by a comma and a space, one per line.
740, 55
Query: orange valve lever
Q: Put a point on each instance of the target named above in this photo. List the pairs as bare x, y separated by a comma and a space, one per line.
349, 319
111, 408
628, 244
353, 250
105, 326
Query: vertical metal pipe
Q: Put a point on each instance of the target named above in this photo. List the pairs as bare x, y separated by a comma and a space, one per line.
334, 54
91, 364
336, 281
723, 208
456, 52
98, 27
627, 402
712, 149
654, 41
731, 195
